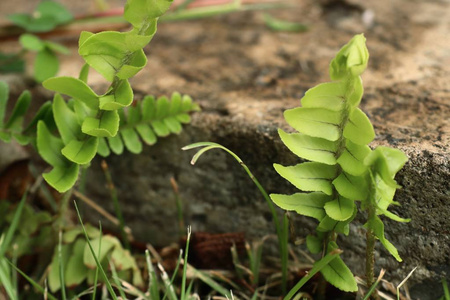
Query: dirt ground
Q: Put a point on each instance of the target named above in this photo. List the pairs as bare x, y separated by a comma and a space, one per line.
244, 76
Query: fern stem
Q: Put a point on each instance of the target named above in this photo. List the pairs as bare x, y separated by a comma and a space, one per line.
371, 239
370, 259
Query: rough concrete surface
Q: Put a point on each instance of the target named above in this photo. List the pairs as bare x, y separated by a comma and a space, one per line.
244, 76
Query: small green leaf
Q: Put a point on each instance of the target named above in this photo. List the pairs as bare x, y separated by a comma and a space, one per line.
76, 271
160, 128
84, 35
355, 97
175, 104
352, 158
136, 41
377, 226
108, 243
330, 95
162, 107
307, 204
31, 42
148, 108
122, 259
74, 88
309, 176
103, 149
146, 133
122, 97
340, 209
187, 104
56, 10
311, 148
137, 12
183, 118
131, 140
386, 161
338, 274
134, 115
106, 126
45, 113
15, 120
173, 124
81, 152
392, 216
315, 122
62, 178
137, 63
351, 59
106, 52
314, 244
116, 144
359, 130
352, 187
66, 120
84, 73
46, 65
54, 281
49, 146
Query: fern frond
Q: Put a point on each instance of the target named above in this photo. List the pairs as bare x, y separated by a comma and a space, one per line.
14, 127
333, 134
147, 120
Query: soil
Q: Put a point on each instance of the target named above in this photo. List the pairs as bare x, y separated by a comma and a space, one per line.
244, 76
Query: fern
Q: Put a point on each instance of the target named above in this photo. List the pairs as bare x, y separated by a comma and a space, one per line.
88, 118
333, 134
148, 120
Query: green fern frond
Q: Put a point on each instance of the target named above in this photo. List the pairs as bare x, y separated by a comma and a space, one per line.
14, 128
147, 120
333, 134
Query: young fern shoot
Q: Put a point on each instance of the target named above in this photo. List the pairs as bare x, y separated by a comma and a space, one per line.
333, 133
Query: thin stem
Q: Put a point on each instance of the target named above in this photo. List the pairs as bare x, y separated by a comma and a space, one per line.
63, 208
370, 240
113, 193
179, 206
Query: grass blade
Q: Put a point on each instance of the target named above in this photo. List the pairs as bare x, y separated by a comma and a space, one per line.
32, 282
183, 280
279, 230
94, 292
318, 265
175, 272
446, 291
117, 280
61, 267
108, 284
6, 281
12, 228
153, 287
209, 281
170, 291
